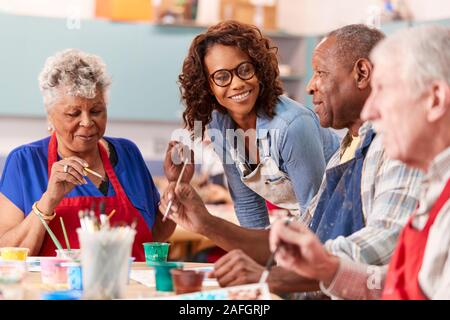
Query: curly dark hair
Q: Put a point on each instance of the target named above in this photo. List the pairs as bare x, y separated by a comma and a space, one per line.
193, 80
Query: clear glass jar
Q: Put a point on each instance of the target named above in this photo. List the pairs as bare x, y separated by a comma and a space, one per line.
12, 274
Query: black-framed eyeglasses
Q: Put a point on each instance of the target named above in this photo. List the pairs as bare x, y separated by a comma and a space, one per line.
223, 77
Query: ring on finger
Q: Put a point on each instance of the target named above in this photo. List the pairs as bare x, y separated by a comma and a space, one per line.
66, 168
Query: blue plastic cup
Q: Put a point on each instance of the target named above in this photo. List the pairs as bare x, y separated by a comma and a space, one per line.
74, 276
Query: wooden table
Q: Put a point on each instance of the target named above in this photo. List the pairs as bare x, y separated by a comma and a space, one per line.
135, 290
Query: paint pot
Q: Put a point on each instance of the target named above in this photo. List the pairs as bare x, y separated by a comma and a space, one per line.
73, 254
12, 253
12, 274
54, 272
187, 281
163, 277
156, 252
74, 275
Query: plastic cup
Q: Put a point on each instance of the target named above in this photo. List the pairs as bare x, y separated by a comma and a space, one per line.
54, 272
73, 254
12, 274
130, 264
163, 277
187, 281
105, 257
156, 252
12, 253
74, 275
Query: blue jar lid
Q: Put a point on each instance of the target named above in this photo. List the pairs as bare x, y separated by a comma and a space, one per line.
63, 295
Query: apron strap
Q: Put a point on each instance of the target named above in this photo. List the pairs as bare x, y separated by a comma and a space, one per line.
364, 147
112, 175
440, 202
53, 156
52, 153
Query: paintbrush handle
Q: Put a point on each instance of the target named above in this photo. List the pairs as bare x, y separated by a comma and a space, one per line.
93, 173
52, 235
271, 259
269, 265
181, 174
166, 214
264, 276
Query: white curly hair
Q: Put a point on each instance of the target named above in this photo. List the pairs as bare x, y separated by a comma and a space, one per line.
76, 72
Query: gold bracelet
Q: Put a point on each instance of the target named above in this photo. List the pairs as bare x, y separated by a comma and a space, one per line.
42, 215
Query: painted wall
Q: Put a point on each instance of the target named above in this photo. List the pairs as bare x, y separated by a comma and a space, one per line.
321, 16
297, 16
50, 8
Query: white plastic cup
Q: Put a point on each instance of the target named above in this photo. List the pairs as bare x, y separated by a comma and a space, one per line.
105, 256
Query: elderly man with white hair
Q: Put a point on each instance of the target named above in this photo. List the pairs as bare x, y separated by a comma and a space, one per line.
76, 167
410, 107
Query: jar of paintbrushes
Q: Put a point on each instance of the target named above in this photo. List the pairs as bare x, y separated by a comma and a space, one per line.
105, 254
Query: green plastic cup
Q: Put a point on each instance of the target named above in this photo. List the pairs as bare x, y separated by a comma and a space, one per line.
156, 252
163, 277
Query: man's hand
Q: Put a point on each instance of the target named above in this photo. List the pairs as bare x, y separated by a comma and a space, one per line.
236, 268
187, 210
302, 252
173, 163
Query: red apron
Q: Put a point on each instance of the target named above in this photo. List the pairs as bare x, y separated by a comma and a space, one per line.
402, 280
68, 209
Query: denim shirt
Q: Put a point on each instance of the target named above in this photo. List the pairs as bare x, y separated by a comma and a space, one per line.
299, 145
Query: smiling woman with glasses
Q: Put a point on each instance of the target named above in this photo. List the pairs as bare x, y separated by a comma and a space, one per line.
230, 81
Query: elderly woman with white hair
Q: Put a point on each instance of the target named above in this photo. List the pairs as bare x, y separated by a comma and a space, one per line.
76, 167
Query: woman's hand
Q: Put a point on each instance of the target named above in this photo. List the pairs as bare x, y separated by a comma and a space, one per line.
302, 252
64, 176
173, 162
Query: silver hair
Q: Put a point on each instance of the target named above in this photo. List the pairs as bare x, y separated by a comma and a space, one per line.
76, 72
422, 55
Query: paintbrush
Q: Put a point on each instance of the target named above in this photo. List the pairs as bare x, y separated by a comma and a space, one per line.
166, 214
65, 233
94, 173
271, 260
103, 216
51, 234
269, 265
111, 214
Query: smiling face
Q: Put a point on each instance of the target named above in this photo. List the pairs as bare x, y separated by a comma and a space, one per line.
239, 98
336, 98
79, 123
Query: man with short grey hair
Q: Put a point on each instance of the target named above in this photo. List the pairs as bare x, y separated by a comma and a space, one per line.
410, 108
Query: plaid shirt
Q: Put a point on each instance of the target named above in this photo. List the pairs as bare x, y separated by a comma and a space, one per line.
358, 281
389, 193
